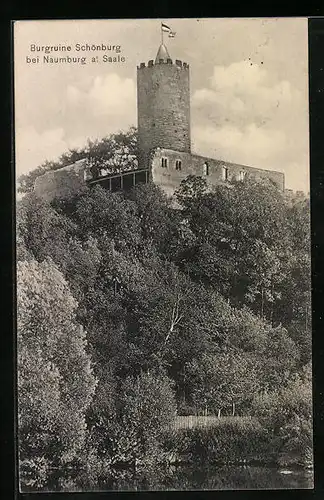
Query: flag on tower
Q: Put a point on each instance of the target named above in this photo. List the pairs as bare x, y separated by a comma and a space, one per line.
167, 29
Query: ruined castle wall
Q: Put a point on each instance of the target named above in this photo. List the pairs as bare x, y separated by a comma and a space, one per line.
71, 180
62, 183
163, 107
169, 178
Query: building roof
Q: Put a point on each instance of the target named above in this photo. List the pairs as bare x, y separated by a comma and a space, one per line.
162, 53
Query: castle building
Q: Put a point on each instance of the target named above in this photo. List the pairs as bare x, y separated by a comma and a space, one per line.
164, 141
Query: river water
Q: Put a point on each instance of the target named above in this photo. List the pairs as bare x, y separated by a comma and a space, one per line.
186, 478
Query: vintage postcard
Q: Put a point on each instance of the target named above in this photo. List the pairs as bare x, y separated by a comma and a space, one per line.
163, 254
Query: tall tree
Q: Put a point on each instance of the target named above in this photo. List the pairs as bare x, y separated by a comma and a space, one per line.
222, 380
55, 378
246, 244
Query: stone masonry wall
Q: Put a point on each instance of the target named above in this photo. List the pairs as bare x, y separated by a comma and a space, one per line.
169, 179
163, 107
62, 183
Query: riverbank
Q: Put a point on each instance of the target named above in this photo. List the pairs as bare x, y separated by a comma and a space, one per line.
229, 447
181, 477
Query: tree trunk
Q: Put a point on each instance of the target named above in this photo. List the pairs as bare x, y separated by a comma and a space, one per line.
271, 313
233, 409
219, 413
262, 302
272, 305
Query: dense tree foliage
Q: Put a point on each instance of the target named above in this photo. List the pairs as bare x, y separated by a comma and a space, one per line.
201, 305
287, 415
128, 429
249, 244
55, 377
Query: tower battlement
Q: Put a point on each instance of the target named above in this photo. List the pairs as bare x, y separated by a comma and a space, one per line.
151, 63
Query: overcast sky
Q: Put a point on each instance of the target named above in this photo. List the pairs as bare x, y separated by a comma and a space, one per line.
248, 77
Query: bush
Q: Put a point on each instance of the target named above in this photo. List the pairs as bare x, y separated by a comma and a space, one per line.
131, 433
287, 415
34, 472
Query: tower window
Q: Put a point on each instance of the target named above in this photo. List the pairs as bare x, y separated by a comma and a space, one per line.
242, 175
205, 168
225, 173
164, 162
178, 164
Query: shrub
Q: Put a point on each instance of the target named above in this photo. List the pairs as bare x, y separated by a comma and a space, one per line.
131, 433
287, 415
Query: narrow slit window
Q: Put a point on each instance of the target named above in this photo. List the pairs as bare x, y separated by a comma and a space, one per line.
178, 164
164, 162
225, 173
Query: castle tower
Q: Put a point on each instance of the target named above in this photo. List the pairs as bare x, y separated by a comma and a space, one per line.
163, 105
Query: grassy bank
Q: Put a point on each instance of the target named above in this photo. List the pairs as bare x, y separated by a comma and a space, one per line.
229, 440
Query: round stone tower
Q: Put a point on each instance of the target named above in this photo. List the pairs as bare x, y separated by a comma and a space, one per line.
163, 105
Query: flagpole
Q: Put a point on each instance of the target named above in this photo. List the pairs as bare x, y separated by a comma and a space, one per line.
161, 35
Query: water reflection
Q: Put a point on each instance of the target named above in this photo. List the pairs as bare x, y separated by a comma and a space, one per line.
185, 478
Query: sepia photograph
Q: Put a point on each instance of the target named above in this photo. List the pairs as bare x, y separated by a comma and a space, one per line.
163, 255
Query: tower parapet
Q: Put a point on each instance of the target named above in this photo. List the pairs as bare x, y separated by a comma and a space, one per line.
152, 63
163, 105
